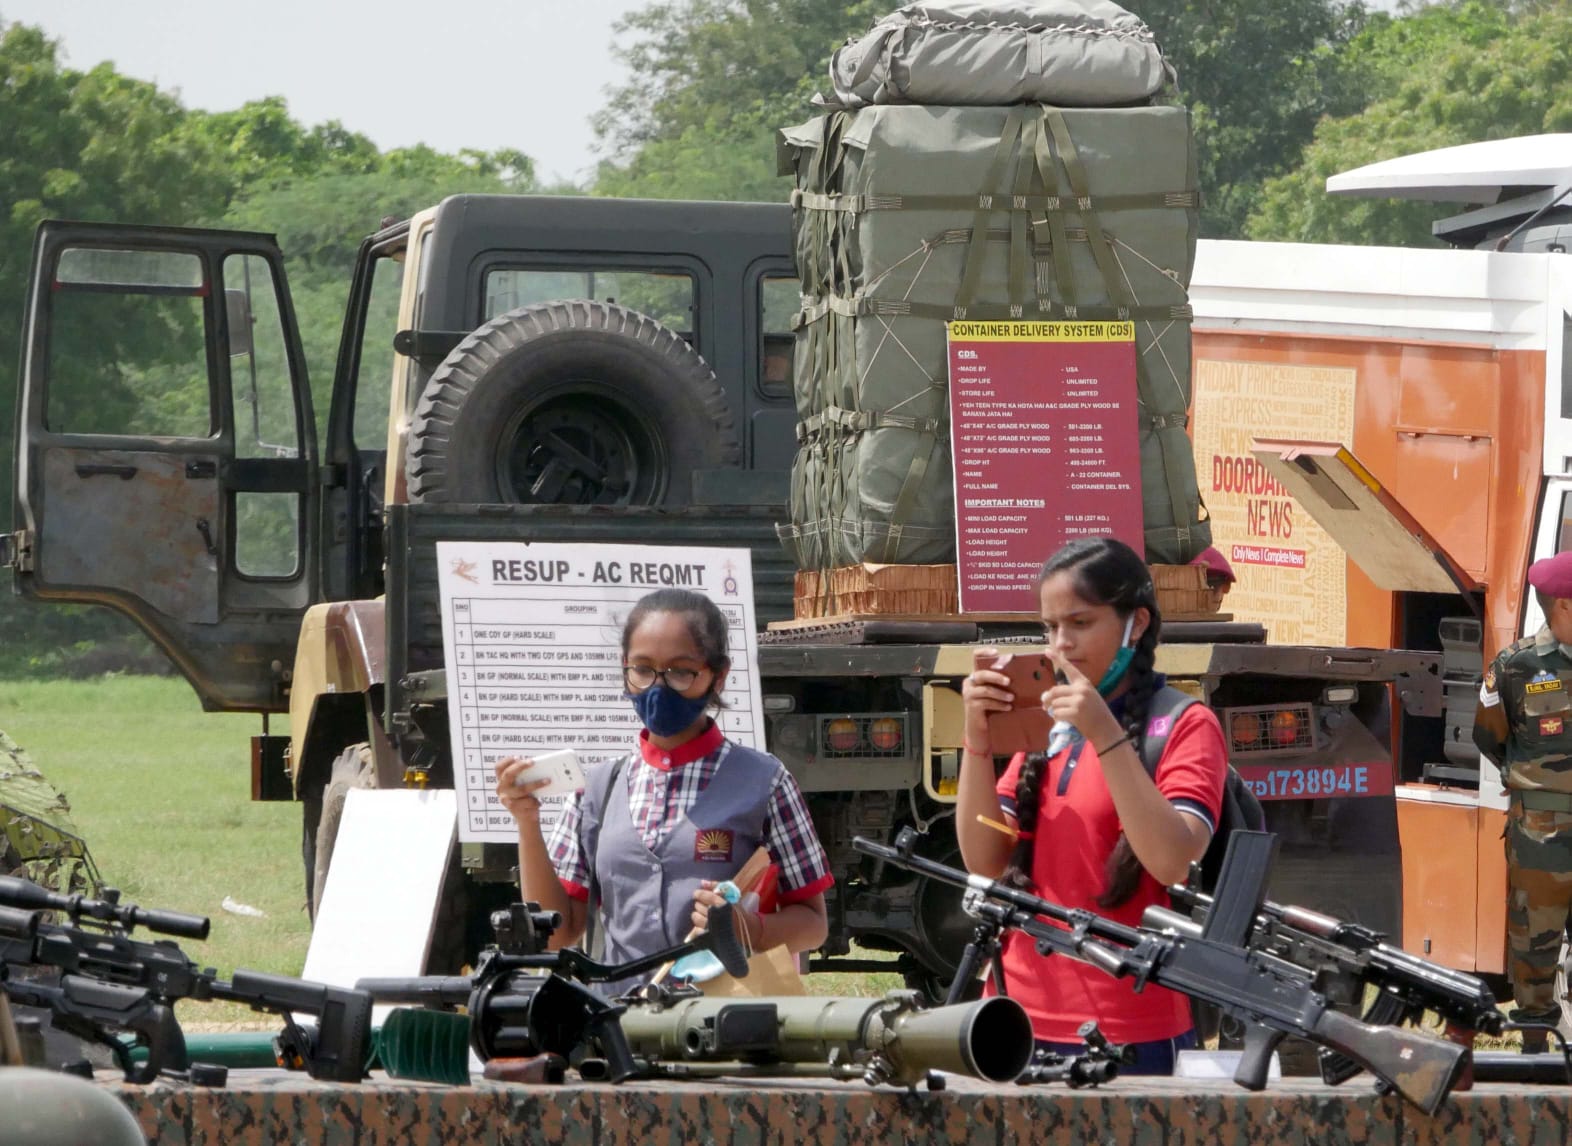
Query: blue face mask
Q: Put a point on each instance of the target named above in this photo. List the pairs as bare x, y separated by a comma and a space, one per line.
1121, 662
665, 711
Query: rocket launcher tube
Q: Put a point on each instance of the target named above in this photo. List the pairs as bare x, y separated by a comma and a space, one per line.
890, 1039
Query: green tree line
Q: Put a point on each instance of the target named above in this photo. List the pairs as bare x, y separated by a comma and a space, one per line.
1283, 94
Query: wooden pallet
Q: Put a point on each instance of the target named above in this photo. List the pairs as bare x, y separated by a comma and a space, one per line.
955, 618
935, 618
956, 629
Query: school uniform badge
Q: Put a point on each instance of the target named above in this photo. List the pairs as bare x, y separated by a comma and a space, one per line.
713, 845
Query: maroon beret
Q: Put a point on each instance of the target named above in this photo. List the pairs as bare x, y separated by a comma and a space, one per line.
1553, 575
1216, 564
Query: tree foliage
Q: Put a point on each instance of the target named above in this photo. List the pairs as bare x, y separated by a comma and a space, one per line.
1445, 75
100, 146
713, 81
1257, 75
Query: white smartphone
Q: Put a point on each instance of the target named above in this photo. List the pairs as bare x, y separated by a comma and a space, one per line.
561, 768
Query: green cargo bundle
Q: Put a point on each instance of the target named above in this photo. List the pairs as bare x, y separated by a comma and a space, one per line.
907, 217
1072, 53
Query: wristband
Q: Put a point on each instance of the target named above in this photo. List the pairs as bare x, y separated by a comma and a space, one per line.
1125, 739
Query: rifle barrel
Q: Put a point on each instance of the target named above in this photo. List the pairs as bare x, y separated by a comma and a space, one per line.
438, 990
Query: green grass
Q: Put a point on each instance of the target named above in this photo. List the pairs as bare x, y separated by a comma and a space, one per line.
161, 791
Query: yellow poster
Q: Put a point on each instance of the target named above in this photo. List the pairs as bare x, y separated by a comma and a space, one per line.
1292, 576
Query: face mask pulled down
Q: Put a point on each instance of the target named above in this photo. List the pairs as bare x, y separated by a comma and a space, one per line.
1064, 734
665, 711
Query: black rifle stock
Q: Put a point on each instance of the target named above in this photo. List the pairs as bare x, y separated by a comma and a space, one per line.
94, 1011
112, 983
1217, 965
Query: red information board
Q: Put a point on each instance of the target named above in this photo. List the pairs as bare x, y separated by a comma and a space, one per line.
1043, 435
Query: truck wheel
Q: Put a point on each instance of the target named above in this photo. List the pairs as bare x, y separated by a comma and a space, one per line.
571, 403
354, 768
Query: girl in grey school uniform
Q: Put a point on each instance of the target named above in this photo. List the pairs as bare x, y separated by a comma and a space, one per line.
658, 828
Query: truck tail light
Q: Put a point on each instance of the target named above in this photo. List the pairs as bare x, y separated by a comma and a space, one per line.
842, 735
887, 733
871, 735
1267, 728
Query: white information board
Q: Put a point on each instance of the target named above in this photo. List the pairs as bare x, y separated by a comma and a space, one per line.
533, 640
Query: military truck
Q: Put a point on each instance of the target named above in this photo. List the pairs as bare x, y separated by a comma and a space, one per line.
554, 369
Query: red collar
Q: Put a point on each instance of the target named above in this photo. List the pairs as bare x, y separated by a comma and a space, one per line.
702, 745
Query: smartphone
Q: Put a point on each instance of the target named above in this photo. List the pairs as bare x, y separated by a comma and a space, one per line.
1031, 675
1025, 727
561, 768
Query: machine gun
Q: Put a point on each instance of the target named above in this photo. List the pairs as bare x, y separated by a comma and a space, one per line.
532, 1013
111, 984
1218, 965
1340, 958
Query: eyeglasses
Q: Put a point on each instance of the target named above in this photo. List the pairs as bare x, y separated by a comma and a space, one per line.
640, 677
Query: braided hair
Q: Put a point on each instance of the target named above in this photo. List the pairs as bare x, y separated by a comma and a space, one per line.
1107, 572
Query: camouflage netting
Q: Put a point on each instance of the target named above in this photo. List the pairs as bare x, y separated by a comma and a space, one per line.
37, 836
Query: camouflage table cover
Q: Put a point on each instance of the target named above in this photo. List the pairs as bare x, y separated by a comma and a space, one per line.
265, 1107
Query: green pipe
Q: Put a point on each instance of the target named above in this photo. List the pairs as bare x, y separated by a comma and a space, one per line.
240, 1050
235, 1049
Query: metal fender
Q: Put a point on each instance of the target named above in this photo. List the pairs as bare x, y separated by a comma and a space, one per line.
340, 661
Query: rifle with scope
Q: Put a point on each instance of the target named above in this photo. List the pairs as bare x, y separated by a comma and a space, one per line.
528, 1026
111, 985
1216, 963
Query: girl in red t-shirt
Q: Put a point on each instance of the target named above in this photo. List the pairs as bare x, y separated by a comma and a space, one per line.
1092, 829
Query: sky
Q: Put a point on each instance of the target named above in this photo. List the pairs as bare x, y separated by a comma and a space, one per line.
482, 74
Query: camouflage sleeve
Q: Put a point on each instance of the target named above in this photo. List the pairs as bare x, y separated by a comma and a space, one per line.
1491, 728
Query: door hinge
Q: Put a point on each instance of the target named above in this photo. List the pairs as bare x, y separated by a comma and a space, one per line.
16, 551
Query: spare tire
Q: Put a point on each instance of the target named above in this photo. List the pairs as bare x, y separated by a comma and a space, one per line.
574, 403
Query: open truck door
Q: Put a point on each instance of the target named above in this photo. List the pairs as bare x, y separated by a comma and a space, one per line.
1454, 872
1367, 522
166, 454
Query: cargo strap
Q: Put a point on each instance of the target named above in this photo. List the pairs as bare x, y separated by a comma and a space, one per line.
997, 201
1117, 287
1040, 309
858, 421
1540, 800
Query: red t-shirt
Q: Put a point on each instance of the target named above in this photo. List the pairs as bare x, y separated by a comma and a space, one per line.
1076, 830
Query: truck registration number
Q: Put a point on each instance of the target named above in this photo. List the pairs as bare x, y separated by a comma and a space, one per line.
1324, 782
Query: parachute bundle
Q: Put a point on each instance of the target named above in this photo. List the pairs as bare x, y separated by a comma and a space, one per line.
908, 215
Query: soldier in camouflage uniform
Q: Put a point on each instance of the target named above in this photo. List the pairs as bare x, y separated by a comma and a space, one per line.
1524, 726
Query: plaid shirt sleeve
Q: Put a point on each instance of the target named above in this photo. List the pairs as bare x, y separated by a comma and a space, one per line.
792, 843
565, 846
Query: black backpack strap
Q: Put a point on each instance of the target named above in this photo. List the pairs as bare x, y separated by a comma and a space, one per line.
587, 943
1166, 702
